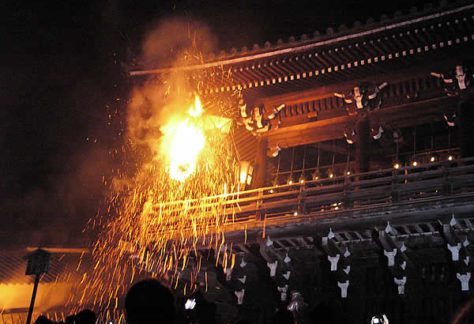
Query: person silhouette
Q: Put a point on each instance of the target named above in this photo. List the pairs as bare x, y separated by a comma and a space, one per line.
43, 320
85, 316
150, 302
283, 316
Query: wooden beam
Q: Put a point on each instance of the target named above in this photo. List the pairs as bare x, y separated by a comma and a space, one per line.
61, 250
405, 115
326, 91
260, 169
312, 132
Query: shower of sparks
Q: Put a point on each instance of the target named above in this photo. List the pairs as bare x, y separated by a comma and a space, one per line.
162, 218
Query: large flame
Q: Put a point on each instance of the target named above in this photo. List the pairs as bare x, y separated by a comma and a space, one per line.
182, 142
156, 222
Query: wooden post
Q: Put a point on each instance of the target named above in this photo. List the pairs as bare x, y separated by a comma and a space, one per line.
33, 297
260, 168
395, 194
362, 149
465, 129
347, 200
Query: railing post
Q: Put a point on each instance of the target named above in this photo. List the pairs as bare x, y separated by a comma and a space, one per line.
362, 147
447, 183
347, 200
301, 199
260, 213
395, 193
465, 130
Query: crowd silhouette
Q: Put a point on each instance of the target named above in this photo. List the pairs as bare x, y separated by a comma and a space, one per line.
150, 302
83, 317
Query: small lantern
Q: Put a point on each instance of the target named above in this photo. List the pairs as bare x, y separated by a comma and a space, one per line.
38, 262
246, 172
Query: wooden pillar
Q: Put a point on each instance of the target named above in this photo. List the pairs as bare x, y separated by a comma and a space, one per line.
465, 126
33, 297
362, 145
260, 168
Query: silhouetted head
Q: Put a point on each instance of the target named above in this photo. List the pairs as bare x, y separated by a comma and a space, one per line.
283, 316
71, 319
85, 316
149, 302
42, 320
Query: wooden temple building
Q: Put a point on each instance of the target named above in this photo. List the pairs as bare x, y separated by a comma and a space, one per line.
360, 140
361, 200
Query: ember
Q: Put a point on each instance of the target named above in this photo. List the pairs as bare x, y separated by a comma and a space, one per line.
156, 222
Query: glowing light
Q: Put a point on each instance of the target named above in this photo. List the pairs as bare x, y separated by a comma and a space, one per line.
290, 182
196, 110
246, 171
331, 175
295, 213
154, 225
190, 303
302, 181
182, 142
348, 173
432, 159
414, 163
450, 158
396, 165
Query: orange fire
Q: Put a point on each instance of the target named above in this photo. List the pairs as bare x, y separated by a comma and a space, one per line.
156, 226
182, 142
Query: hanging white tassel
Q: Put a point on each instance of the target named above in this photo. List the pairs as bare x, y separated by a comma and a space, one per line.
464, 279
454, 249
334, 260
240, 296
343, 286
390, 256
273, 268
400, 284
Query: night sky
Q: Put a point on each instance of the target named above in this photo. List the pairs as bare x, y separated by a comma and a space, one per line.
64, 87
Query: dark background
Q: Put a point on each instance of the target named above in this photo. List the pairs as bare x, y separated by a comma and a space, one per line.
64, 87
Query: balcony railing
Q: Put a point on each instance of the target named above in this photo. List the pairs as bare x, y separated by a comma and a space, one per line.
356, 192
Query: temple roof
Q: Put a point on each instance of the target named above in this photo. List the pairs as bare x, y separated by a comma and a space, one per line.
333, 35
337, 52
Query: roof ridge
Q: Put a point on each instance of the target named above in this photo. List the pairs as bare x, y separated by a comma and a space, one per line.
330, 37
333, 32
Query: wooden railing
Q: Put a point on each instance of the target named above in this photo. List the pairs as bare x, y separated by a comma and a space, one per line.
351, 192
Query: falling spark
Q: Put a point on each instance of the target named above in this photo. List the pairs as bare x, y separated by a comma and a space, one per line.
170, 210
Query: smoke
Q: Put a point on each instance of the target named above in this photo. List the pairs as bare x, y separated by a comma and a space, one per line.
171, 43
159, 103
56, 212
57, 152
175, 41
